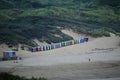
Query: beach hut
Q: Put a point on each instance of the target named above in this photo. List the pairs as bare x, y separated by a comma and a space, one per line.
60, 45
82, 40
4, 54
86, 39
7, 54
72, 42
32, 49
14, 54
44, 48
47, 47
35, 49
41, 48
52, 46
38, 49
55, 45
76, 41
68, 43
65, 43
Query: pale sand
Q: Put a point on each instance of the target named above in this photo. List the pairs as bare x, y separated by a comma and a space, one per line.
79, 71
75, 35
39, 43
72, 62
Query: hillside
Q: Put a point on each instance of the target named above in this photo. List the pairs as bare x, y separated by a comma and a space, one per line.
25, 20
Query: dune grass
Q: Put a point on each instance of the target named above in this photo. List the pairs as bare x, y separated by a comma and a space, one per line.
8, 76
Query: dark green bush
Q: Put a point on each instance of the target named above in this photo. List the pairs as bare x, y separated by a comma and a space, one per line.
24, 20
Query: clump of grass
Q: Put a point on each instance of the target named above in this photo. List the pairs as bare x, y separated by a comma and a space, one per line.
8, 76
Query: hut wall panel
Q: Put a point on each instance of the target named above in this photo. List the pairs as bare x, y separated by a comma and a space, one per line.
4, 54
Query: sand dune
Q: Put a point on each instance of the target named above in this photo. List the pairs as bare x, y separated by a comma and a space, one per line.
39, 43
76, 35
104, 42
71, 62
100, 47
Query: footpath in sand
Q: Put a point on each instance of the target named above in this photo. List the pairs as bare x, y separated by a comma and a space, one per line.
72, 62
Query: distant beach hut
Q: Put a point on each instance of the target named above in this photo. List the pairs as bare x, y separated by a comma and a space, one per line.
76, 41
32, 49
68, 43
35, 49
65, 43
86, 39
44, 48
38, 49
13, 54
82, 41
72, 42
48, 47
7, 54
52, 46
60, 45
41, 48
4, 54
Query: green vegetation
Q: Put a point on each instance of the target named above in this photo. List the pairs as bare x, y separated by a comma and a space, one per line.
7, 76
21, 21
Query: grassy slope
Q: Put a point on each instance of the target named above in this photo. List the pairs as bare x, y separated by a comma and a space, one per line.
30, 19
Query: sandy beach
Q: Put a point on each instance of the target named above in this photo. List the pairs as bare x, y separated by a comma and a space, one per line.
98, 59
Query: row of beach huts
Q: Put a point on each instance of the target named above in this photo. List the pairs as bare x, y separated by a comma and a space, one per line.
58, 45
11, 55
